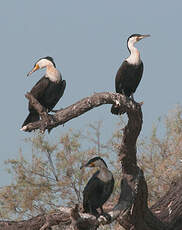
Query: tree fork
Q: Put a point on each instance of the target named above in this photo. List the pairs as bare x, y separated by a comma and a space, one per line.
131, 211
64, 115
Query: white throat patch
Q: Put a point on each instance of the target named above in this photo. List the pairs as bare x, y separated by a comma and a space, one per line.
104, 175
134, 57
53, 74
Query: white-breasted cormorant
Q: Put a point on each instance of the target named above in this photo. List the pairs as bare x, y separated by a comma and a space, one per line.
48, 90
130, 72
99, 187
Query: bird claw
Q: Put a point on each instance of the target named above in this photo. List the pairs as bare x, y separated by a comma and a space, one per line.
24, 128
104, 217
118, 103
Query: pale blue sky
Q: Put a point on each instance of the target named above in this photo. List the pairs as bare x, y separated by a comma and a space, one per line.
87, 40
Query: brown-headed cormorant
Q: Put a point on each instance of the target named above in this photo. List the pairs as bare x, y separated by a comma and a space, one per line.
99, 187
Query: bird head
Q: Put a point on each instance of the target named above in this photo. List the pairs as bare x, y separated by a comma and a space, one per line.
95, 162
42, 63
135, 38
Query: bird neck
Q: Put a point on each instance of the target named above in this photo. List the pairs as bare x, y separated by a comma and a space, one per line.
104, 174
134, 58
52, 73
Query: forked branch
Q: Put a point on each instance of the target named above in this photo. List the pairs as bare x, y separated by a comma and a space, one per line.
64, 115
132, 210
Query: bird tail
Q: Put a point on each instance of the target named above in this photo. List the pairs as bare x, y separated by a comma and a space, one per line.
32, 117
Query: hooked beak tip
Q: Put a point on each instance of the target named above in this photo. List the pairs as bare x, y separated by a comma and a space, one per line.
33, 70
83, 166
146, 35
28, 74
143, 36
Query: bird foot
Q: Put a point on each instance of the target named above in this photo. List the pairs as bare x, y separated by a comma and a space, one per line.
24, 128
47, 121
105, 217
118, 103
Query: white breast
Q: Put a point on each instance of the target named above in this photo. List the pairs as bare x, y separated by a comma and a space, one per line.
53, 74
134, 58
105, 175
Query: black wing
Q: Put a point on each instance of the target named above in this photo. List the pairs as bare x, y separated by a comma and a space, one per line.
108, 188
137, 76
39, 88
92, 193
120, 80
59, 91
48, 93
128, 78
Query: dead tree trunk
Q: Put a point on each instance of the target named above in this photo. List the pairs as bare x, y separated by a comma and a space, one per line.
131, 211
133, 197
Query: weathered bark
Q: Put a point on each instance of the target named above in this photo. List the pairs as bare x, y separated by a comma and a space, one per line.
134, 193
64, 115
132, 210
169, 207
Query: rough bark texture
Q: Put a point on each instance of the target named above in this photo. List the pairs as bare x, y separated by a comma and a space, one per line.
64, 115
169, 207
132, 210
134, 193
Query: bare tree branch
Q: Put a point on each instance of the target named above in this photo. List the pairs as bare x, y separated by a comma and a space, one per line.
64, 115
41, 111
132, 210
52, 165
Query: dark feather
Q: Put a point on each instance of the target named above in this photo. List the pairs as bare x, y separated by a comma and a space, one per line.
128, 78
32, 117
48, 94
96, 193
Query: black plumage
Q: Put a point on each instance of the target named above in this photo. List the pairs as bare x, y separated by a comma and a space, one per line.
47, 90
130, 72
128, 78
99, 187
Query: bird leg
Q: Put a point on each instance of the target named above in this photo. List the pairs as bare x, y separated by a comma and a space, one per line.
122, 91
132, 97
118, 103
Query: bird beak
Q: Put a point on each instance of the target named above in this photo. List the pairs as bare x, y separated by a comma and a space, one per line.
33, 70
143, 36
87, 165
82, 166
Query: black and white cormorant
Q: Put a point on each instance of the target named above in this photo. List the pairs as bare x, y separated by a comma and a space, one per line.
99, 187
130, 72
48, 90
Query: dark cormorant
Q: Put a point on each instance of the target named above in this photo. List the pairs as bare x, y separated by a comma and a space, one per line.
48, 90
130, 72
99, 187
